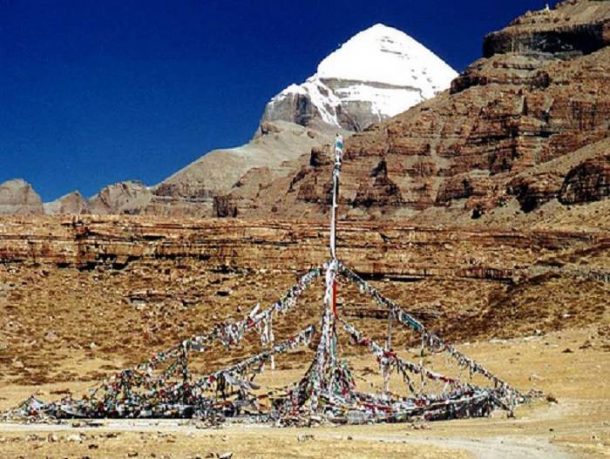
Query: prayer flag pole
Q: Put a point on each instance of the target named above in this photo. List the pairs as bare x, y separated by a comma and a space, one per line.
327, 387
333, 210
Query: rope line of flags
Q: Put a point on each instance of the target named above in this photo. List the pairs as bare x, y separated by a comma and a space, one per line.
164, 386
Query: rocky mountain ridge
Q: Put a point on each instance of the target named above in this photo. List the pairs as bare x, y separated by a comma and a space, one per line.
344, 95
486, 147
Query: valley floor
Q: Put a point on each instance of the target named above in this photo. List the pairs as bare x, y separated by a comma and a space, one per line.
570, 366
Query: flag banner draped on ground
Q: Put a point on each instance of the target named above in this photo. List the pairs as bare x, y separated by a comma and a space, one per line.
165, 385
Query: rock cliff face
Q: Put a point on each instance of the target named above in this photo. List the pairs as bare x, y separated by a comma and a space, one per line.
541, 93
87, 242
120, 198
575, 27
19, 198
589, 181
581, 173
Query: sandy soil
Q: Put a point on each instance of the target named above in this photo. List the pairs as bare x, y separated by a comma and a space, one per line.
570, 366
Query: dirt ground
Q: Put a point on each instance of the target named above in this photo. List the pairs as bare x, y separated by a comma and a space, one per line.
571, 367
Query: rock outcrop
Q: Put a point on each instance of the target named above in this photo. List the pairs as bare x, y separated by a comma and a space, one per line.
371, 248
72, 203
19, 198
574, 28
577, 178
587, 182
121, 198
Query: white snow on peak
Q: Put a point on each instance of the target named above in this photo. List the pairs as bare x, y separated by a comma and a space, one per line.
381, 66
382, 54
321, 96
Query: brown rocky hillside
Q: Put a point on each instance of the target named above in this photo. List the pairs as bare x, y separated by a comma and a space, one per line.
119, 287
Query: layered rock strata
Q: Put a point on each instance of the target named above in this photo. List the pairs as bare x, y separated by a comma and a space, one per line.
392, 249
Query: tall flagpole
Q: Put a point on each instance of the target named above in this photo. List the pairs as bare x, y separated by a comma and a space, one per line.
333, 213
333, 210
326, 354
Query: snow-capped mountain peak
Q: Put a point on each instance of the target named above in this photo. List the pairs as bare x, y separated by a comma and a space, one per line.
376, 74
382, 54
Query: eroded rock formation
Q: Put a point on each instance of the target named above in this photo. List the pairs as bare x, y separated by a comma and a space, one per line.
393, 249
72, 203
121, 198
19, 198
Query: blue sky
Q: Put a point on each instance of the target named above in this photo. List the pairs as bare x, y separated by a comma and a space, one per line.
93, 92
